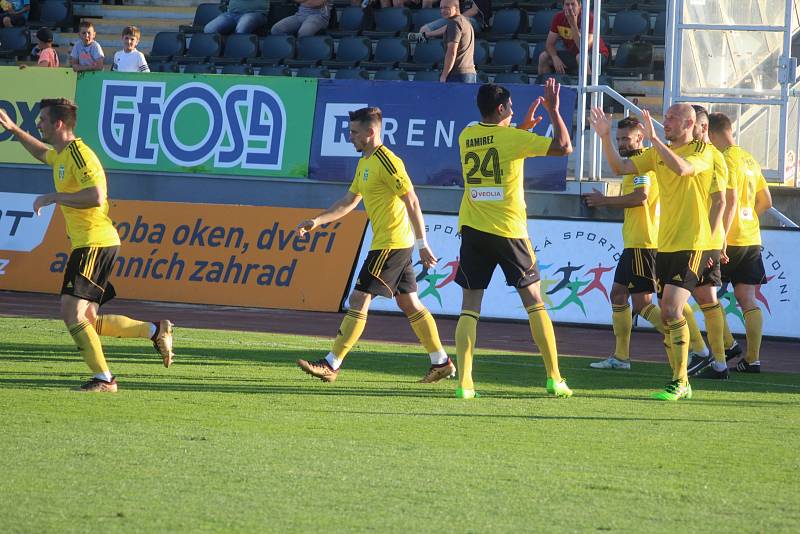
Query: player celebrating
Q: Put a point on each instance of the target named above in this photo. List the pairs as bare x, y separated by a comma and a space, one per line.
81, 191
493, 223
396, 217
745, 267
684, 171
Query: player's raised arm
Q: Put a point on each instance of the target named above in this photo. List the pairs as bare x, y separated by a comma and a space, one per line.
561, 145
602, 125
37, 149
339, 209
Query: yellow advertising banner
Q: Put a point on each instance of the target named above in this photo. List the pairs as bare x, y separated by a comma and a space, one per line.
193, 253
22, 89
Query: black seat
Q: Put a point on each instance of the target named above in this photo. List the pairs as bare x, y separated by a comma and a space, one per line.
311, 51
632, 59
350, 22
427, 55
508, 55
164, 66
540, 25
237, 68
202, 47
390, 22
200, 68
238, 48
15, 42
481, 55
658, 36
351, 74
313, 72
628, 25
166, 46
274, 50
388, 53
421, 17
391, 74
427, 76
508, 23
511, 77
204, 14
274, 70
350, 52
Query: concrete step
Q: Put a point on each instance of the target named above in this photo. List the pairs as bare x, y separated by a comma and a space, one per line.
135, 13
147, 26
110, 42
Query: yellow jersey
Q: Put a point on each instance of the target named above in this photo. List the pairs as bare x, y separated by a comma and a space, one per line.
684, 200
745, 229
76, 168
640, 226
381, 179
720, 184
492, 160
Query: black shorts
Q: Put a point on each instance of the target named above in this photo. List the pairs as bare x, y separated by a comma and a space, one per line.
711, 276
481, 252
745, 266
387, 272
87, 273
683, 269
636, 270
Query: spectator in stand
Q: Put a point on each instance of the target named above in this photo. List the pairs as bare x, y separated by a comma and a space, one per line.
87, 54
240, 16
459, 42
311, 17
48, 57
477, 12
567, 27
129, 59
14, 12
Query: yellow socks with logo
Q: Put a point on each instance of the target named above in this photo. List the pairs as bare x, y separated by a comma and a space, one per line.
424, 326
679, 343
753, 326
349, 333
466, 335
727, 337
545, 339
121, 326
622, 323
696, 338
88, 343
714, 321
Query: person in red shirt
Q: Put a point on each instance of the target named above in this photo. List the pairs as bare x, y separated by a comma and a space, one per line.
566, 26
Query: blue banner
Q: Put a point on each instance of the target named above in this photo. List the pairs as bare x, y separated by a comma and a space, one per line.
421, 124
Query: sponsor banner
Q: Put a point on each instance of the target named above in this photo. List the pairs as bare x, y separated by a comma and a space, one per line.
22, 89
238, 125
577, 259
193, 253
422, 127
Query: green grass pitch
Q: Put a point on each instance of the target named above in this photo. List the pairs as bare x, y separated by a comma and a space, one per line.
235, 438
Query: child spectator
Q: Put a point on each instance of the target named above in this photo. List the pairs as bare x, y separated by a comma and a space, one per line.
87, 54
14, 12
48, 57
129, 59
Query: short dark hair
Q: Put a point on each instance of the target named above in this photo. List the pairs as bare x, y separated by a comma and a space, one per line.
699, 111
628, 123
61, 109
719, 123
490, 96
86, 24
371, 116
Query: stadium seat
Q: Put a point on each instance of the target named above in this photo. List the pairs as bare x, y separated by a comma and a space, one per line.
350, 22
427, 55
390, 22
540, 25
507, 23
391, 74
511, 77
202, 47
351, 74
658, 36
311, 51
632, 59
313, 72
388, 53
350, 52
628, 25
563, 79
507, 55
427, 75
274, 50
199, 68
278, 11
15, 42
56, 14
204, 14
238, 48
481, 55
166, 46
421, 17
537, 5
237, 68
274, 70
164, 66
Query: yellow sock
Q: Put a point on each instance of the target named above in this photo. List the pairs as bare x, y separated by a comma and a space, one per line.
545, 339
753, 327
121, 326
696, 338
466, 335
622, 323
714, 322
652, 314
727, 337
679, 341
349, 332
88, 343
424, 326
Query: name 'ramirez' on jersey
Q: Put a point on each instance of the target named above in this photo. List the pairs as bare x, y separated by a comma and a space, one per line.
492, 160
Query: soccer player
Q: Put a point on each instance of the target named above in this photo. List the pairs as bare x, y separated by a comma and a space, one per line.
745, 267
722, 199
635, 277
396, 217
81, 192
684, 171
493, 223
